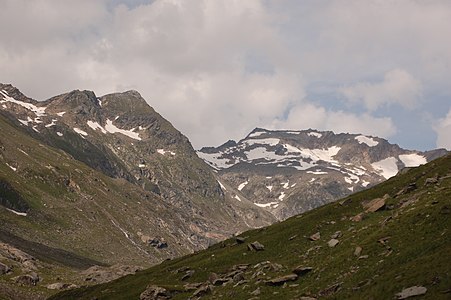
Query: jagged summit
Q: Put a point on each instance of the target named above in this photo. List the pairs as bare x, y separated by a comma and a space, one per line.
290, 171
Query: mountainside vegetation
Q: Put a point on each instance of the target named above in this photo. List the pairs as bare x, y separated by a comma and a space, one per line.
390, 241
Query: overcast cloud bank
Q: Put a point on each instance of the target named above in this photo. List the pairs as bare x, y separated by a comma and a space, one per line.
217, 69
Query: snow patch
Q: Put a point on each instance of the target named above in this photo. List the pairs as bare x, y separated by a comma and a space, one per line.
282, 195
269, 187
12, 168
268, 141
95, 126
315, 134
51, 124
266, 204
365, 183
285, 184
79, 131
412, 160
59, 133
111, 128
366, 140
38, 111
313, 179
23, 122
237, 198
386, 167
60, 114
222, 186
317, 172
255, 134
242, 185
17, 212
214, 160
351, 188
163, 152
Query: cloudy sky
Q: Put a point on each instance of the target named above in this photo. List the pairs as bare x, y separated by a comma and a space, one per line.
217, 69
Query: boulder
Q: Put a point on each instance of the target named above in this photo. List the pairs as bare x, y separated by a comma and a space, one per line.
300, 271
240, 240
61, 286
315, 236
336, 235
154, 292
333, 242
374, 205
411, 292
282, 279
357, 251
204, 289
4, 269
255, 246
28, 279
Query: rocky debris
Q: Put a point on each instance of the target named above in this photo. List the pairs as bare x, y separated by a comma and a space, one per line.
431, 180
255, 246
187, 274
104, 274
411, 187
256, 292
336, 235
301, 271
204, 289
315, 236
375, 204
333, 242
15, 254
357, 251
61, 286
27, 279
4, 269
411, 292
154, 292
357, 218
240, 240
158, 243
330, 290
282, 279
192, 286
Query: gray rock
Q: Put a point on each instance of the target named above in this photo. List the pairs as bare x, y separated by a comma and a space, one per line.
300, 271
4, 269
154, 292
28, 279
336, 235
204, 289
61, 286
357, 251
315, 237
256, 292
333, 242
411, 292
282, 279
256, 246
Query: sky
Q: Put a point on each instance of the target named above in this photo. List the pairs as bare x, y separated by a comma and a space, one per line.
216, 69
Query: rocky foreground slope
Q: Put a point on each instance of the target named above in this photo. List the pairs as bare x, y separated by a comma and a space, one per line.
289, 172
87, 180
391, 241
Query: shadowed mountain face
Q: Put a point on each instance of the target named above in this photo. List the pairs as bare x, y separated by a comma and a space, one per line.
289, 172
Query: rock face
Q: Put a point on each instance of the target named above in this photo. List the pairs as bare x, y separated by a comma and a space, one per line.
411, 292
111, 166
289, 172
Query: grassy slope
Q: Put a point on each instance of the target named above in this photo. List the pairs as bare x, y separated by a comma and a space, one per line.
417, 229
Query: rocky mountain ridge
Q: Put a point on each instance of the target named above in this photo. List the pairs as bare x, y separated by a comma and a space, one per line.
288, 172
103, 180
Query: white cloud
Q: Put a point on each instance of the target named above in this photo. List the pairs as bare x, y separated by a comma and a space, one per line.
216, 69
398, 87
443, 129
310, 116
